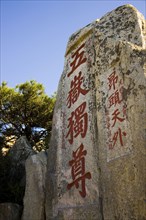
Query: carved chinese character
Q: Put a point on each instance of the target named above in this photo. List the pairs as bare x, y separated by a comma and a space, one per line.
114, 99
119, 134
79, 59
78, 170
113, 79
78, 123
116, 117
76, 90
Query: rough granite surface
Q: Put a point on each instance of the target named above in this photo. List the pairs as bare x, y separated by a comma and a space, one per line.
97, 160
34, 199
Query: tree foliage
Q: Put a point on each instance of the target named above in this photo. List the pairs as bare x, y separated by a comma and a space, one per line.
25, 110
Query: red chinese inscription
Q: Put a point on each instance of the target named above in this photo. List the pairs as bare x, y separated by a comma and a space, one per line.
78, 123
76, 89
113, 79
119, 134
78, 170
114, 99
79, 59
116, 117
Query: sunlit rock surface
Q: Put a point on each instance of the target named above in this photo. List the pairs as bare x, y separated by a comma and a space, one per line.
96, 164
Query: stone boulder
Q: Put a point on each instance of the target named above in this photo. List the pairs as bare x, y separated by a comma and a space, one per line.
20, 151
10, 211
17, 156
34, 199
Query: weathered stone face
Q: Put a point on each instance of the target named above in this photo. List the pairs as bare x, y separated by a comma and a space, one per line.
74, 134
34, 199
96, 162
120, 97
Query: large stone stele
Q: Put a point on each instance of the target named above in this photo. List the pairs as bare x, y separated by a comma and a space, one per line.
65, 199
97, 158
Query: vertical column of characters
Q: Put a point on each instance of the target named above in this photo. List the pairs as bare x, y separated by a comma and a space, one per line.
77, 123
116, 106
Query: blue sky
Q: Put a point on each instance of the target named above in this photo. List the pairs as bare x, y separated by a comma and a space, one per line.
34, 36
